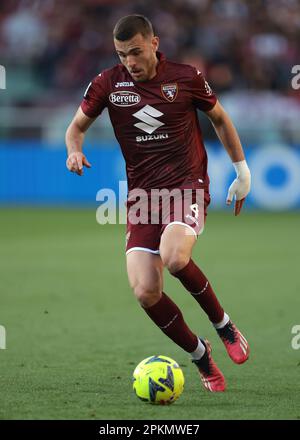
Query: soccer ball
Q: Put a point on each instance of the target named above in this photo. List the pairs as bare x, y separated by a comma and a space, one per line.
158, 380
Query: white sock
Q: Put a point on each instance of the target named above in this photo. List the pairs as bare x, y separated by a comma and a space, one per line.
199, 352
223, 322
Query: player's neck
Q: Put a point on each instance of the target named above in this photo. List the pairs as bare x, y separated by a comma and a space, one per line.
153, 71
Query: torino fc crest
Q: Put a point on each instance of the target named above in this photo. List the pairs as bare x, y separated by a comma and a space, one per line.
169, 91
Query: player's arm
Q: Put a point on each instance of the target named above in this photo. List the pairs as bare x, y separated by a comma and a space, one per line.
229, 137
74, 142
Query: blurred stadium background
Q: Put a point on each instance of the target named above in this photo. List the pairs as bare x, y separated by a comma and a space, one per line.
58, 266
52, 49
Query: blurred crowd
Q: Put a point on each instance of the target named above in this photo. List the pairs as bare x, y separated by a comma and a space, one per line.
239, 44
54, 47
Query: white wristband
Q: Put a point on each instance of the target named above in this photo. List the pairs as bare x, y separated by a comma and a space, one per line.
241, 168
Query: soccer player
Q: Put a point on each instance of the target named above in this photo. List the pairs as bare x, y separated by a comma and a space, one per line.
152, 103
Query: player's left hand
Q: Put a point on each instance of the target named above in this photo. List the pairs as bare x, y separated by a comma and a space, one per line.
76, 161
240, 187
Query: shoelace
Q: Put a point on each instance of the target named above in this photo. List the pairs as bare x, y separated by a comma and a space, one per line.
203, 363
227, 332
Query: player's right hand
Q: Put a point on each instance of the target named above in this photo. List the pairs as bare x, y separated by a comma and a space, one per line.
76, 161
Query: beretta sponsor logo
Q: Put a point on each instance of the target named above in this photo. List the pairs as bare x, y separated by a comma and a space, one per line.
124, 98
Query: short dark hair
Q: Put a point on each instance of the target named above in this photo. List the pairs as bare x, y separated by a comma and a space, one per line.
130, 25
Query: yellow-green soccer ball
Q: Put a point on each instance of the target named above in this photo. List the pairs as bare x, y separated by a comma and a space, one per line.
158, 380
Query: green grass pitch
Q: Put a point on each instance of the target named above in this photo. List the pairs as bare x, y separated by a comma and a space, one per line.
75, 332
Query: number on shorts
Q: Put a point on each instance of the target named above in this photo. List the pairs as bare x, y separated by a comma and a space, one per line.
195, 209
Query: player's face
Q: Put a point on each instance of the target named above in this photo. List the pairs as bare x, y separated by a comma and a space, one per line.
138, 55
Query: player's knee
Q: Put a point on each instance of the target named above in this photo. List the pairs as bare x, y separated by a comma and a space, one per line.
175, 261
146, 295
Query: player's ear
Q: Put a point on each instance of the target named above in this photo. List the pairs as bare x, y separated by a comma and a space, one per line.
155, 43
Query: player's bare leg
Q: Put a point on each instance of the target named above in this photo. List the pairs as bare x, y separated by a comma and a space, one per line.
145, 274
176, 250
176, 245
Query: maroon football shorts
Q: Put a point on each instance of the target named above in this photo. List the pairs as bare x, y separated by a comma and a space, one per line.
149, 214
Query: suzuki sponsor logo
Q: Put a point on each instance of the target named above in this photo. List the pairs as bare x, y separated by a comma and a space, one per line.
148, 117
124, 98
152, 137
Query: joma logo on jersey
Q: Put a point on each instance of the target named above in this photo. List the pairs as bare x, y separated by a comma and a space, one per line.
124, 98
148, 117
124, 84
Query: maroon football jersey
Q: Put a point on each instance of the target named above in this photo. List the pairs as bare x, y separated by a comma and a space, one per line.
155, 122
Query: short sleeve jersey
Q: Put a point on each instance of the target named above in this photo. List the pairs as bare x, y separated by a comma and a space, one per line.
155, 122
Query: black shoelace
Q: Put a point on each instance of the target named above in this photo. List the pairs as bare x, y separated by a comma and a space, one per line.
227, 333
203, 363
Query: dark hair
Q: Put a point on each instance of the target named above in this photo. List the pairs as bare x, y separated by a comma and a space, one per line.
130, 25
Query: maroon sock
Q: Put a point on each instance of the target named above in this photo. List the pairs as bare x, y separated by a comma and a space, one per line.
168, 317
197, 284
